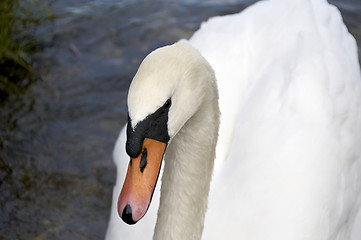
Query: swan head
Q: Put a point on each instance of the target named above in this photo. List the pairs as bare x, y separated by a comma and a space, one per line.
167, 90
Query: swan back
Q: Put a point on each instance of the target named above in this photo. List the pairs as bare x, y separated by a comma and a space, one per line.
289, 152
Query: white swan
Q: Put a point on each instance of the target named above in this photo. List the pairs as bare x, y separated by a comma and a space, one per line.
288, 160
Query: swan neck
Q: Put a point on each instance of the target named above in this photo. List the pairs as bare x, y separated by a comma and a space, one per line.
187, 174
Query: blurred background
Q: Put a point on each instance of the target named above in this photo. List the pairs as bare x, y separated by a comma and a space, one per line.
65, 67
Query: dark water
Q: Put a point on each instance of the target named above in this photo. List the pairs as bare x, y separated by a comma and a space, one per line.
56, 140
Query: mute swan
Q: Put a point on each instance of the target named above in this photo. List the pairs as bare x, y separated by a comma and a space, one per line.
288, 162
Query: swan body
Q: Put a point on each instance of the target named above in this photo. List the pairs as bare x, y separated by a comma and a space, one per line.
288, 162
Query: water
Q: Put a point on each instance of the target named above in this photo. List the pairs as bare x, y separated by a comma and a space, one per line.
56, 171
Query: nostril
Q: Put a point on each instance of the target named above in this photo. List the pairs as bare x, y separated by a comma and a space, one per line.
143, 160
127, 215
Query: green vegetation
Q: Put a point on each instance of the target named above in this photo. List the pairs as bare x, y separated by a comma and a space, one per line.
17, 25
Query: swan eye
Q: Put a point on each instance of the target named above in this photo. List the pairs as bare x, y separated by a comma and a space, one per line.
154, 126
168, 103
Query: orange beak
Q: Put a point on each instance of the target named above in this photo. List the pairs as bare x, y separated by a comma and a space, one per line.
140, 181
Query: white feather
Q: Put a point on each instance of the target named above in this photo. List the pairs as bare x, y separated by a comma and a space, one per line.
288, 160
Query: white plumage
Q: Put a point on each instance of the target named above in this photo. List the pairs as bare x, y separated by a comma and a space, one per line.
288, 160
